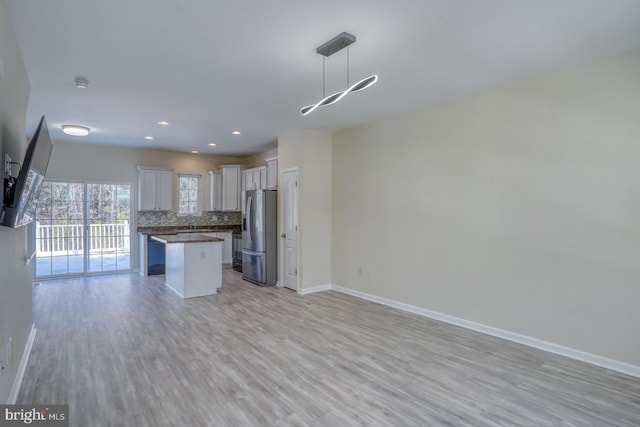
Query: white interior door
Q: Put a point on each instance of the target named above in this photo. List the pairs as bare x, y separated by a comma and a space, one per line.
289, 235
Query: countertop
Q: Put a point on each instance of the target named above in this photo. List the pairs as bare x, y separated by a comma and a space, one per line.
175, 229
185, 238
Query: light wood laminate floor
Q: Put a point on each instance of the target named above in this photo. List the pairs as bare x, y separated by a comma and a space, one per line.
124, 350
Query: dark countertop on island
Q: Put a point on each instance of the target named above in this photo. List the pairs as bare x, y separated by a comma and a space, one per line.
175, 229
185, 238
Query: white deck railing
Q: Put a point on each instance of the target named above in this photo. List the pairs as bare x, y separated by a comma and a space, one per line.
65, 239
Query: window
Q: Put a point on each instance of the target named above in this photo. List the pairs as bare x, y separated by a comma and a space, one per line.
82, 228
189, 195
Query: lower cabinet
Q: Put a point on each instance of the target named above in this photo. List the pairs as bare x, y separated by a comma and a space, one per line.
227, 246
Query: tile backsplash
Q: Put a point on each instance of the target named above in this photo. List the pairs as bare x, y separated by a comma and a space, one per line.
170, 218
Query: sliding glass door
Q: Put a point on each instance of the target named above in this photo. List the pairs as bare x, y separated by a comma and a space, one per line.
59, 230
108, 226
82, 228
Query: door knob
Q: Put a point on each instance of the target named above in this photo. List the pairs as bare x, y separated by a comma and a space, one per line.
284, 236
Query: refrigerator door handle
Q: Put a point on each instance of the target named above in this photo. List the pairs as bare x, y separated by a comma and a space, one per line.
248, 216
250, 252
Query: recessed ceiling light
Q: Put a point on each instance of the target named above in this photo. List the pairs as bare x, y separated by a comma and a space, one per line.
75, 130
194, 151
148, 137
82, 82
236, 132
212, 144
163, 123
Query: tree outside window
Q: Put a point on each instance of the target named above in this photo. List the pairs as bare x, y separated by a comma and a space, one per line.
189, 195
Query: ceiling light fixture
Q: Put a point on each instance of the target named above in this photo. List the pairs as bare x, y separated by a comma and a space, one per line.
148, 137
75, 130
334, 45
212, 144
194, 151
163, 123
236, 132
82, 82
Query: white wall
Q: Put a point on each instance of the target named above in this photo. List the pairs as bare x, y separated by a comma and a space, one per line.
16, 316
310, 151
516, 208
259, 159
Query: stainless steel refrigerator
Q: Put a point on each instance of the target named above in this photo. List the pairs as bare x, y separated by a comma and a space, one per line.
259, 238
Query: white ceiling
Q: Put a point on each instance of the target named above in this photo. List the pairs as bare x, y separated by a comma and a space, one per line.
209, 67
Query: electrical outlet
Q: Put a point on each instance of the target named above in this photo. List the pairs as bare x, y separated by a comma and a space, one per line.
226, 217
214, 218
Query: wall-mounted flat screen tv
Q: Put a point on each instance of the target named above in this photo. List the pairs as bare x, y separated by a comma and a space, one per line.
20, 204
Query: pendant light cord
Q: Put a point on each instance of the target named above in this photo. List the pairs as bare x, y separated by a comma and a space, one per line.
324, 80
324, 74
347, 66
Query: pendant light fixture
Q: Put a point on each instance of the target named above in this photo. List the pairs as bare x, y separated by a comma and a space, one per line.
334, 45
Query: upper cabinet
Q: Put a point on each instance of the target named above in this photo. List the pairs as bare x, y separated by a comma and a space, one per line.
231, 187
155, 189
254, 179
215, 193
272, 173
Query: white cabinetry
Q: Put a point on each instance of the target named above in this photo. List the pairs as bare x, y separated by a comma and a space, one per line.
254, 179
155, 189
231, 181
227, 246
215, 191
272, 173
247, 180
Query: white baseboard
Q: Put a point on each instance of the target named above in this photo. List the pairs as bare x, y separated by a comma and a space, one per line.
24, 360
174, 291
314, 289
604, 362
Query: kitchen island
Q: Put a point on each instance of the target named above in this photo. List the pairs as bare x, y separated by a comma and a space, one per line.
193, 265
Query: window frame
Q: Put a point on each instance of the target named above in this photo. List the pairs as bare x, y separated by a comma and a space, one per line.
198, 193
